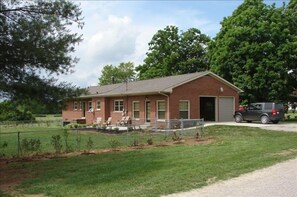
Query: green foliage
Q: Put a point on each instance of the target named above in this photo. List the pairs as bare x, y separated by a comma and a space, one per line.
12, 111
173, 53
36, 38
68, 148
90, 144
117, 74
256, 51
114, 143
30, 146
150, 141
2, 148
57, 144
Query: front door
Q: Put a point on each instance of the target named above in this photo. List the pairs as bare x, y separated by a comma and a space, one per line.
147, 111
207, 108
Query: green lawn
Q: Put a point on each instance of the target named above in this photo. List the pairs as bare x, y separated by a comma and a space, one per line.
155, 171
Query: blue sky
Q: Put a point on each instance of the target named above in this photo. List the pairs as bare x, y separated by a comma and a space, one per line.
119, 31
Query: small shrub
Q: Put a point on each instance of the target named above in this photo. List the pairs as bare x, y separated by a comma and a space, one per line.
56, 142
135, 142
90, 144
2, 148
130, 128
116, 130
150, 141
31, 146
176, 137
68, 148
114, 143
78, 141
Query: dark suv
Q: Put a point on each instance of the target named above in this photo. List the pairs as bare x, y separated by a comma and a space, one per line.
264, 112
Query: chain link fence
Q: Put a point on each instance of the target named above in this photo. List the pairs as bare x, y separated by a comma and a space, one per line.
24, 140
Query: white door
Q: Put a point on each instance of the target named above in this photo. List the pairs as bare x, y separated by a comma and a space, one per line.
226, 109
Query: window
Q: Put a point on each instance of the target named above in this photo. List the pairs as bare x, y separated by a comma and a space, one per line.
118, 105
161, 109
136, 109
90, 106
75, 105
80, 105
184, 109
98, 105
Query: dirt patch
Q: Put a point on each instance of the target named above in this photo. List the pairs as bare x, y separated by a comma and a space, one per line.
286, 152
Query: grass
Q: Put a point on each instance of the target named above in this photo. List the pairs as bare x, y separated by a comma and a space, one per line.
156, 171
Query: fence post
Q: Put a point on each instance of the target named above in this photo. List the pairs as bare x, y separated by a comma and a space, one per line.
19, 144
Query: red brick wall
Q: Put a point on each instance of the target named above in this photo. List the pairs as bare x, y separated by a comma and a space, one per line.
204, 86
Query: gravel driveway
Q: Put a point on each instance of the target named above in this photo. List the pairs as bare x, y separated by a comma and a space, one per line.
278, 180
292, 127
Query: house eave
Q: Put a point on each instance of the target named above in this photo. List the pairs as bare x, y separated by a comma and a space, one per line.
121, 94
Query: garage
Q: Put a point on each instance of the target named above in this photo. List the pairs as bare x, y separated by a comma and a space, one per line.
208, 108
225, 109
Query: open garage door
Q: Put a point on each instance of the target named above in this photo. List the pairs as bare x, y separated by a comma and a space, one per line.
226, 109
208, 108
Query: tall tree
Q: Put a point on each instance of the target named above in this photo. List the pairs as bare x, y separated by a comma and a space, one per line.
250, 51
171, 53
117, 74
35, 44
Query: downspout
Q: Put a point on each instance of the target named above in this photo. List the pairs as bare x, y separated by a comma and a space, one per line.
168, 115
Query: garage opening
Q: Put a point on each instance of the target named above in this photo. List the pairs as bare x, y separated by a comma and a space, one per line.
207, 108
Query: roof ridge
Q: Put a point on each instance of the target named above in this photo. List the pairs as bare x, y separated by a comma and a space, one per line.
164, 77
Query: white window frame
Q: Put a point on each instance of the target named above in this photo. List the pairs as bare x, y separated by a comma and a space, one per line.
133, 109
75, 105
80, 105
118, 105
188, 101
158, 101
90, 106
98, 107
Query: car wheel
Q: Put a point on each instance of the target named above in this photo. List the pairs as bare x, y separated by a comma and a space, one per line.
275, 121
238, 118
264, 119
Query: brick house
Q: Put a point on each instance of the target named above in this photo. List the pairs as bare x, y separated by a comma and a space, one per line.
189, 96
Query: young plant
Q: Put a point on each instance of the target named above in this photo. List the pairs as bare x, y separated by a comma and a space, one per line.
135, 142
150, 141
31, 146
2, 148
90, 144
114, 143
66, 138
57, 144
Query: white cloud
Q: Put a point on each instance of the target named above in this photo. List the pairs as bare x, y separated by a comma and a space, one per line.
114, 33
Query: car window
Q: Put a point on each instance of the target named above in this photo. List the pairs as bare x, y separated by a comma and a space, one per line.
279, 106
251, 107
258, 106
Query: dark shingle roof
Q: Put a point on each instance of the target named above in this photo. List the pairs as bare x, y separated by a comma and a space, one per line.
151, 86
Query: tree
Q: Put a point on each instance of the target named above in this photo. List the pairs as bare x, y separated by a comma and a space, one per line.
171, 53
10, 111
35, 44
117, 74
251, 51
